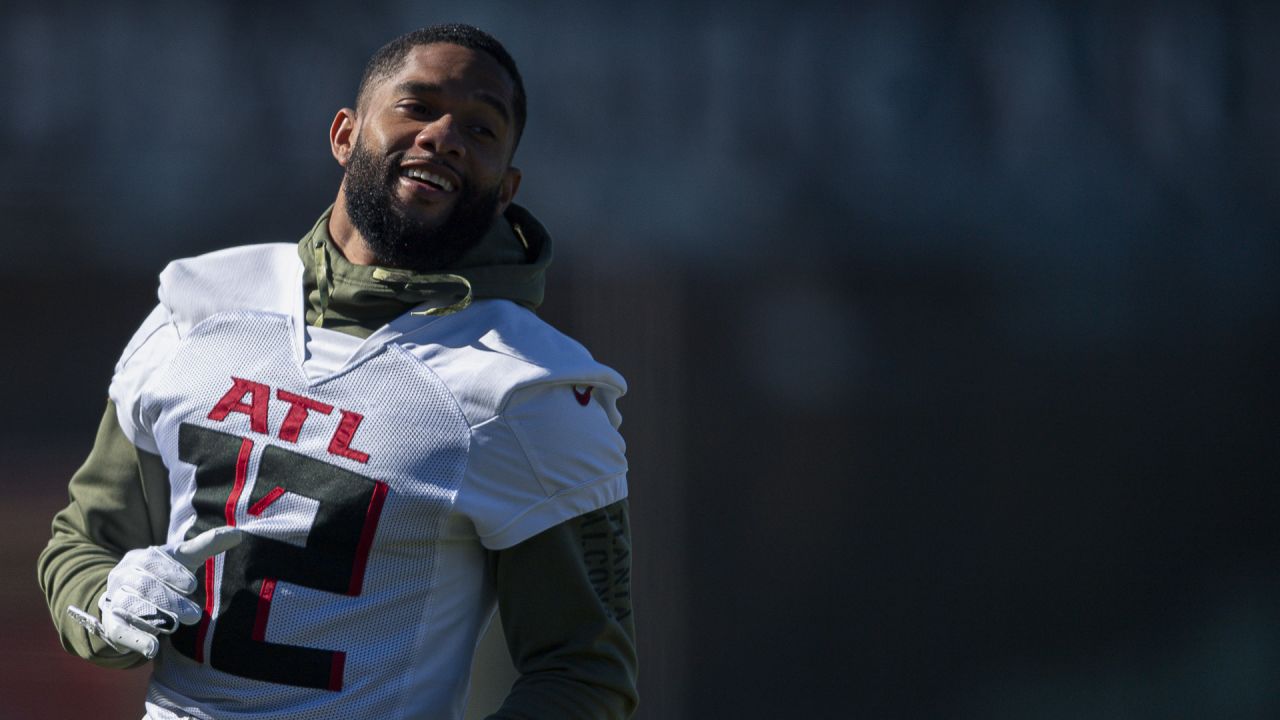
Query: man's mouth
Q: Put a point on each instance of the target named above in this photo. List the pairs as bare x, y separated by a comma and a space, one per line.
428, 177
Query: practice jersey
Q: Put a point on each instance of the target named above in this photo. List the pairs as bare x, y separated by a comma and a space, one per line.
368, 488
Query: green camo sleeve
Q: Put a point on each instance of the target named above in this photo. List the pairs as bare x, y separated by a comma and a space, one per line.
119, 501
565, 601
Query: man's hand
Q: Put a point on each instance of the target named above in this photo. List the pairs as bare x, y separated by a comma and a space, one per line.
146, 592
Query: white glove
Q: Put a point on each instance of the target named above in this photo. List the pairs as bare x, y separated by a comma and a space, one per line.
146, 591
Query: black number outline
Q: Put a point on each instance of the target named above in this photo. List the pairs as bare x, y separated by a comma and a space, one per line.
333, 560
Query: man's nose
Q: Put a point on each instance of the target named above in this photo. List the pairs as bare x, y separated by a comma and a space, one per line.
441, 136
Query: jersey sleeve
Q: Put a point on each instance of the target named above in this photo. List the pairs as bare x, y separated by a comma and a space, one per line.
145, 354
553, 453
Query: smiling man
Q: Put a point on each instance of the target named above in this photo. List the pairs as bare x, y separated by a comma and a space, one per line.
409, 175
323, 466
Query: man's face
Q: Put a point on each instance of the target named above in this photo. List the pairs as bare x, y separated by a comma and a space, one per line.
428, 171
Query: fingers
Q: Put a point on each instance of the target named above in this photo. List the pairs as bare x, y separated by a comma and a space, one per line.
124, 636
147, 591
145, 596
192, 553
162, 566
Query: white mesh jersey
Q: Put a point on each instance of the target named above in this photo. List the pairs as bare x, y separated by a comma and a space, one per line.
368, 489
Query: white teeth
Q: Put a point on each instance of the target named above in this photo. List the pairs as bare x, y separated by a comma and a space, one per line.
420, 174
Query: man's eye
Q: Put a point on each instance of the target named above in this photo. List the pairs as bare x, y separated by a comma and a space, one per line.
483, 131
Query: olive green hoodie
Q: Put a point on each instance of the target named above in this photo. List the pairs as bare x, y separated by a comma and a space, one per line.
572, 643
509, 262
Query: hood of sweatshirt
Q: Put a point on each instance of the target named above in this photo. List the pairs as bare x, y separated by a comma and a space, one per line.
509, 262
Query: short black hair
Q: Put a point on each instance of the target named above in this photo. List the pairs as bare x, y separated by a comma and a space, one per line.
391, 57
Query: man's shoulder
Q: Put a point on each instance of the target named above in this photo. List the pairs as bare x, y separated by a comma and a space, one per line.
497, 347
229, 263
508, 330
243, 277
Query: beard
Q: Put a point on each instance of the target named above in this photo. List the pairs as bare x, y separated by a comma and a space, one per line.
400, 241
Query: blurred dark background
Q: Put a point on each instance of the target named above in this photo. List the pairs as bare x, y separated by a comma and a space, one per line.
950, 327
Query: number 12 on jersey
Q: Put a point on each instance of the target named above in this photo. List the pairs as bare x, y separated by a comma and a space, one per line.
332, 559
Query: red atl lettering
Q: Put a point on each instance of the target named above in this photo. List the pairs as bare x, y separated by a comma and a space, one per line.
300, 408
341, 442
233, 401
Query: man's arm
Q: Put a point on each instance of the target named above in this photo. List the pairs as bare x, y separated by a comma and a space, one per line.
565, 600
119, 502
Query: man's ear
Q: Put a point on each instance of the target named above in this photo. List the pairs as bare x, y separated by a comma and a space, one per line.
507, 188
342, 135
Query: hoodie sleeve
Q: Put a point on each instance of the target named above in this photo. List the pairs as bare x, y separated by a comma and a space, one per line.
565, 601
118, 502
119, 498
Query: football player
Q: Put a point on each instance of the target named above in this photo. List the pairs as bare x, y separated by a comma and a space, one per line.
324, 465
